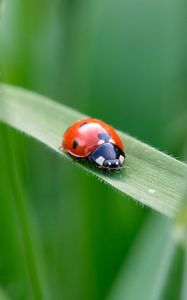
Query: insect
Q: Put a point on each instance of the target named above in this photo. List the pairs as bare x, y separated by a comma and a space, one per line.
95, 141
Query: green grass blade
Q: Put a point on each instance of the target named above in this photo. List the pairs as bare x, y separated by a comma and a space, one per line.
184, 285
33, 263
155, 264
144, 272
1, 7
3, 296
181, 234
150, 177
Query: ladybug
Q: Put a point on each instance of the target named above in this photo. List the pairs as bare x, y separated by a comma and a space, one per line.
95, 141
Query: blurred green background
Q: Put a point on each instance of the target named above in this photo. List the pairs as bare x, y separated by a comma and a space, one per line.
121, 61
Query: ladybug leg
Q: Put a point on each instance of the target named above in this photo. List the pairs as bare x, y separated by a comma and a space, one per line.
60, 148
75, 159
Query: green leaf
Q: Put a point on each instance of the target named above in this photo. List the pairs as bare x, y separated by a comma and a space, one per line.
1, 8
150, 177
181, 234
155, 264
2, 296
25, 244
184, 285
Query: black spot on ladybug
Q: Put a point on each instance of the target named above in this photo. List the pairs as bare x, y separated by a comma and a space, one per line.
83, 124
104, 136
75, 144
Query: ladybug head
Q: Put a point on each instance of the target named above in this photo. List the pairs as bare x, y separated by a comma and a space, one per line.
108, 155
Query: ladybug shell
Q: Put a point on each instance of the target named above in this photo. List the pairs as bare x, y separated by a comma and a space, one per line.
84, 136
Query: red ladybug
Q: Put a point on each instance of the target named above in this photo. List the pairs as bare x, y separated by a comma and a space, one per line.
96, 141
